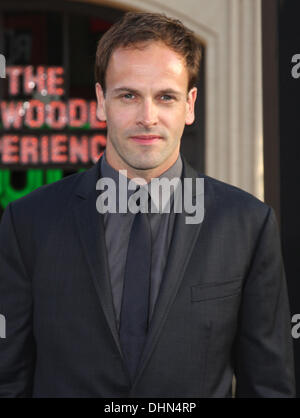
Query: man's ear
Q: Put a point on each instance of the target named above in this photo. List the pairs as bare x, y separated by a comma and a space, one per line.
101, 114
191, 99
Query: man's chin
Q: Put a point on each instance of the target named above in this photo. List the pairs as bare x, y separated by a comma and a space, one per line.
154, 162
144, 166
143, 162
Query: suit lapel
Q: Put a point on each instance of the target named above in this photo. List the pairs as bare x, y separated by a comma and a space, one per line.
181, 247
92, 235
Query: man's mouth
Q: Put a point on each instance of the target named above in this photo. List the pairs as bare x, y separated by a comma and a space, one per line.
146, 139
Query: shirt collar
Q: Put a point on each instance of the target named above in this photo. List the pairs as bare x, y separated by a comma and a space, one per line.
175, 171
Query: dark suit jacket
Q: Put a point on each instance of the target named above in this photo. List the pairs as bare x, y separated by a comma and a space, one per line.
222, 308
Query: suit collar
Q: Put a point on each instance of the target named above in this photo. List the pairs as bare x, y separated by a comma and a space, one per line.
87, 183
108, 171
88, 180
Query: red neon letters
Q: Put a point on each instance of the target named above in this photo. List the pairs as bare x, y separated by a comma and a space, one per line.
45, 108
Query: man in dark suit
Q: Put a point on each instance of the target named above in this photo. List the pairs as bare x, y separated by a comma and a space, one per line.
146, 304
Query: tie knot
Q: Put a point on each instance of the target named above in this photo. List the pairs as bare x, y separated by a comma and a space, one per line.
143, 201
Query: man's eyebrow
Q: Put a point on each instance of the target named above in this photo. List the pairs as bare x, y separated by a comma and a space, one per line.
170, 91
131, 90
123, 89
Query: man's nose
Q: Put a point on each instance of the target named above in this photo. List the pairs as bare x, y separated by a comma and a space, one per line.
148, 113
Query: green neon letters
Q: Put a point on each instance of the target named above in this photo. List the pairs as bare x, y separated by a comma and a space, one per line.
34, 179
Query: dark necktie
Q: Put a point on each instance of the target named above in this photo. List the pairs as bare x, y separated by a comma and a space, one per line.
136, 292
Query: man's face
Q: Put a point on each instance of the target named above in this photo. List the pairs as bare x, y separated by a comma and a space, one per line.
146, 107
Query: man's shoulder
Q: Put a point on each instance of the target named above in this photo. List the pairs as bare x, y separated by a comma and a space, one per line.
41, 210
48, 198
230, 199
222, 196
221, 189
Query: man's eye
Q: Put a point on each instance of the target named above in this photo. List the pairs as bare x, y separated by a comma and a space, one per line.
166, 98
128, 96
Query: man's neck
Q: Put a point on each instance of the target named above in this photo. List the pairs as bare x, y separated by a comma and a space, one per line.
146, 174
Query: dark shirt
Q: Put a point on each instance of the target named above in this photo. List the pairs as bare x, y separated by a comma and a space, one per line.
117, 231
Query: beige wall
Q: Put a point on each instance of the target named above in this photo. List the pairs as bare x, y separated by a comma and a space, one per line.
231, 31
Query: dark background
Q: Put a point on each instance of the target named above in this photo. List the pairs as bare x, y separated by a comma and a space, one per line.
289, 110
281, 41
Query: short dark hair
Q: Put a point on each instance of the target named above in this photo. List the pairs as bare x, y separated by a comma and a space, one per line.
136, 28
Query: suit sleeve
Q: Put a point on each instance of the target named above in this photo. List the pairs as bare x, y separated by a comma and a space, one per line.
17, 349
264, 365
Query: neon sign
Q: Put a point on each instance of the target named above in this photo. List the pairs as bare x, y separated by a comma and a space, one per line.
2, 66
57, 115
19, 143
43, 130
